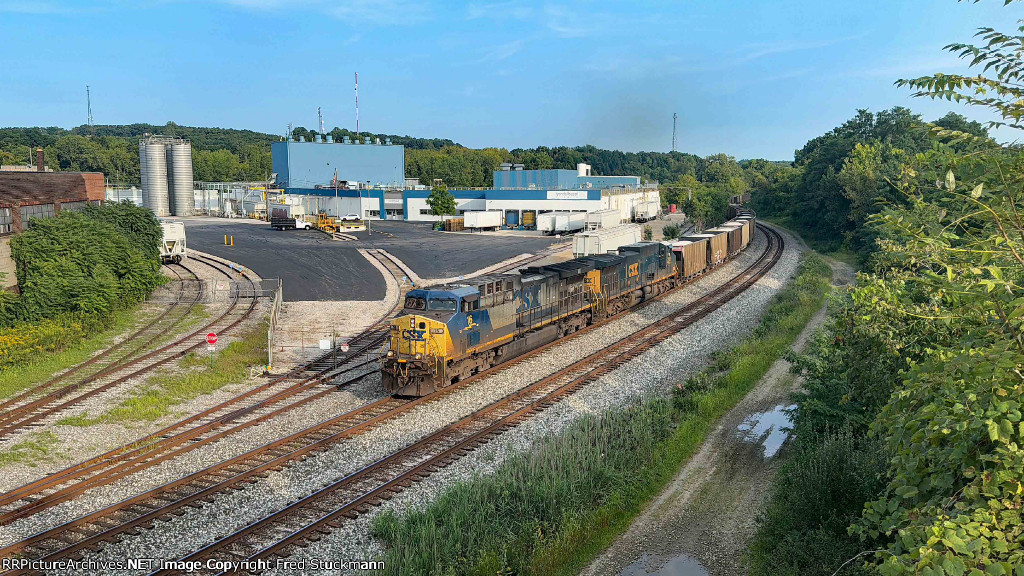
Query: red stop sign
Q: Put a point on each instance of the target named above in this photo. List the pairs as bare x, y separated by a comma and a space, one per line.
211, 338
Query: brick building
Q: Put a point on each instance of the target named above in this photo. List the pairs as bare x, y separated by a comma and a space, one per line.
26, 195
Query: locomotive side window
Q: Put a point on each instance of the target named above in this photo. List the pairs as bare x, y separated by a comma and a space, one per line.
414, 303
443, 304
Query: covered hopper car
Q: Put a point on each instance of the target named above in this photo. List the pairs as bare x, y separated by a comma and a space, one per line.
447, 333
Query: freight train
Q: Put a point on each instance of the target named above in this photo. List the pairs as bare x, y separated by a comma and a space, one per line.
447, 333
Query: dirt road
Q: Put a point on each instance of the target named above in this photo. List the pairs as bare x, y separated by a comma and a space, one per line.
701, 523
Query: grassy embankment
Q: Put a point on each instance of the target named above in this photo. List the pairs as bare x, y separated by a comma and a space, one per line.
194, 378
552, 509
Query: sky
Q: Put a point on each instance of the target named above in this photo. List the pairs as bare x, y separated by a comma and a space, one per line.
752, 79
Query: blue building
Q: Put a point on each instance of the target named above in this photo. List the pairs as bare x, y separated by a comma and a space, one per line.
311, 164
513, 177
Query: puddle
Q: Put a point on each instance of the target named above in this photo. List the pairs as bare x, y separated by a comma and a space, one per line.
684, 565
769, 429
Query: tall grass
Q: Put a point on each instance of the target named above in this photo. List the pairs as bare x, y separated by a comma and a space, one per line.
551, 509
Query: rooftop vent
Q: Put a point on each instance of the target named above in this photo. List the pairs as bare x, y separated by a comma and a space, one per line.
330, 139
518, 166
347, 140
387, 141
302, 138
505, 166
367, 141
318, 138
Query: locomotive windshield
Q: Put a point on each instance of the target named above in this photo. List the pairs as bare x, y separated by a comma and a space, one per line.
444, 304
414, 303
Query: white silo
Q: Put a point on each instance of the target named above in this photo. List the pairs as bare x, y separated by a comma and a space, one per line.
153, 166
180, 179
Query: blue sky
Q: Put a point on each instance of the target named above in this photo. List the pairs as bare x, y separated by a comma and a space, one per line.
751, 79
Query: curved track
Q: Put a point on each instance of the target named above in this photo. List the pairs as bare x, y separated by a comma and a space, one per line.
36, 411
143, 510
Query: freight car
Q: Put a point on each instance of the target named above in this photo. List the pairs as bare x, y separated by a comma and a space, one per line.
445, 334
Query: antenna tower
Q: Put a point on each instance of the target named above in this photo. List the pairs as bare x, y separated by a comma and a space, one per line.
321, 118
88, 104
674, 119
357, 104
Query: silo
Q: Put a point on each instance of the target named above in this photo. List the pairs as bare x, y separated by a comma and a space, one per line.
179, 172
153, 163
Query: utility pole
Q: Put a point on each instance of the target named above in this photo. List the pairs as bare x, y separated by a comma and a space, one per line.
88, 104
674, 119
357, 104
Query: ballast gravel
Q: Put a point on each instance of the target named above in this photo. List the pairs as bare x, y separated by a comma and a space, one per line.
652, 373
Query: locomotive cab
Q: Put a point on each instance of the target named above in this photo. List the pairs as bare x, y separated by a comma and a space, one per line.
420, 341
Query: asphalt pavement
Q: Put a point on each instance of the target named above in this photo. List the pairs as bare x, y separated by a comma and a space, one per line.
314, 267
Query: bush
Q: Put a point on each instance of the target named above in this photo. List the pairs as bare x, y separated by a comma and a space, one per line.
819, 491
671, 231
647, 233
74, 270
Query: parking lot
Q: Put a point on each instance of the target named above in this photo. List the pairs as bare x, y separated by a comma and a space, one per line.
315, 267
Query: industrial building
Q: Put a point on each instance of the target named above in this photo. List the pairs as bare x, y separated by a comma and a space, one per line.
514, 177
27, 195
346, 164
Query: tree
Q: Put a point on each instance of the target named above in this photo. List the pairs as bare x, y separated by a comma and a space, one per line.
441, 201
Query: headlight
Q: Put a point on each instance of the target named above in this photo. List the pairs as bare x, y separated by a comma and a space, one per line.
391, 353
419, 356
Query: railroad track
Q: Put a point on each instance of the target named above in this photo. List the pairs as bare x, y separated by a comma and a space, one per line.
113, 357
35, 412
309, 518
142, 510
292, 390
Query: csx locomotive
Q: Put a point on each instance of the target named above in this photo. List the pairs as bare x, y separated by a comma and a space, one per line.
445, 334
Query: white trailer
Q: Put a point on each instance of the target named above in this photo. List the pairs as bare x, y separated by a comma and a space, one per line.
604, 240
568, 222
483, 219
546, 222
291, 216
604, 218
172, 245
646, 211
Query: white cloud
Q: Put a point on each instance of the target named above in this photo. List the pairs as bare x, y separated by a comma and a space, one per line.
503, 10
503, 51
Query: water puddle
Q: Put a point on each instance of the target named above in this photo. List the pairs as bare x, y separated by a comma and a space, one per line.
683, 565
770, 429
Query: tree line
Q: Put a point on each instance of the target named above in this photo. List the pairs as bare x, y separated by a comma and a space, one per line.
221, 154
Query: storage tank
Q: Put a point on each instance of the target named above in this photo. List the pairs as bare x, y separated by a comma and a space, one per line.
179, 177
604, 240
153, 164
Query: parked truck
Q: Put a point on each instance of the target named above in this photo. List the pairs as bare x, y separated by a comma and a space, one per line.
172, 245
289, 216
647, 211
604, 240
604, 219
569, 222
483, 219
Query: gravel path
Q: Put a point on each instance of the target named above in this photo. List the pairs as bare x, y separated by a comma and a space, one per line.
674, 359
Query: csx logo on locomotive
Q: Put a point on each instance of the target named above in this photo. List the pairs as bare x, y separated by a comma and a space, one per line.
528, 298
633, 270
414, 335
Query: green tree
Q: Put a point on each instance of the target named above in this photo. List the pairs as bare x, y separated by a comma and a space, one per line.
441, 201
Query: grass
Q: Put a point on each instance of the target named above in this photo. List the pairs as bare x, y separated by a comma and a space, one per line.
16, 379
39, 445
552, 509
164, 391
